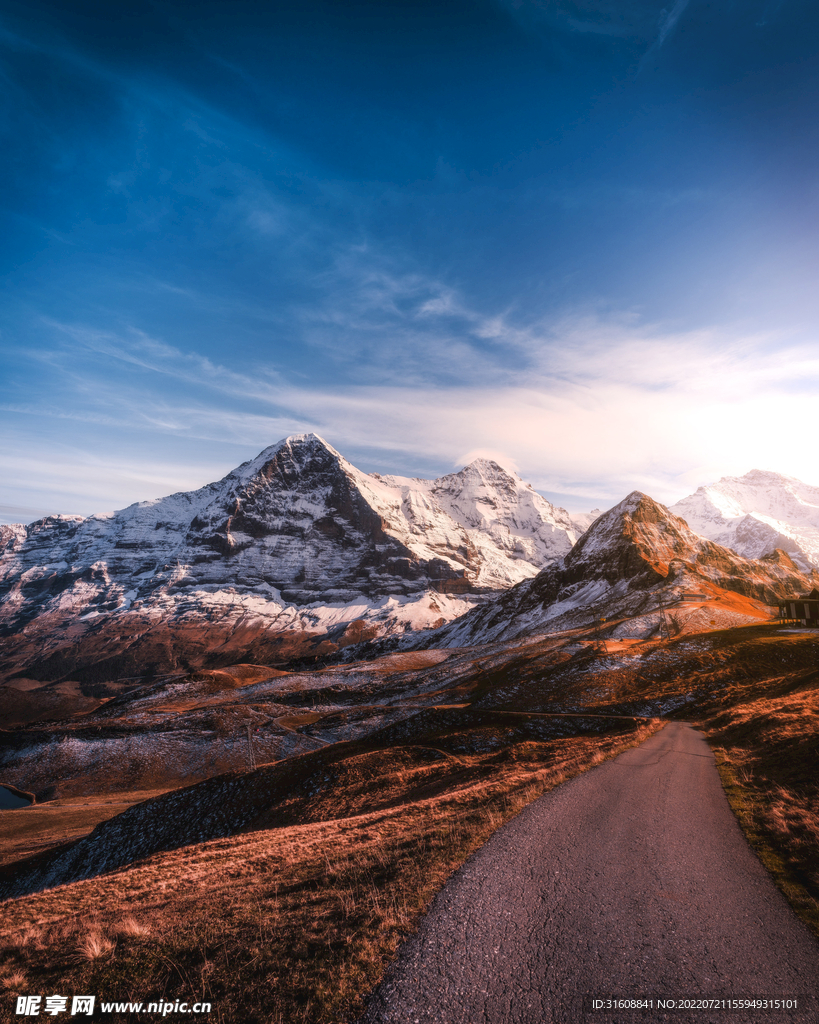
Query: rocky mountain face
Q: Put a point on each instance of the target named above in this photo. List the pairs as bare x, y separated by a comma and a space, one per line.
295, 542
638, 569
756, 513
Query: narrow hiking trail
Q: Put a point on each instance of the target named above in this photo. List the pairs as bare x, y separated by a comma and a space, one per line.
633, 879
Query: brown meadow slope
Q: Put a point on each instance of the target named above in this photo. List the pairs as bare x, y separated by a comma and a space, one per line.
294, 917
312, 869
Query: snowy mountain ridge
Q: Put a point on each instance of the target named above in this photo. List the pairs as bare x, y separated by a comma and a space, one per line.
755, 513
296, 539
642, 571
484, 524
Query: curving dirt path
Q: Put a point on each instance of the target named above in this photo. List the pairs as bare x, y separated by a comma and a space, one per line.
631, 880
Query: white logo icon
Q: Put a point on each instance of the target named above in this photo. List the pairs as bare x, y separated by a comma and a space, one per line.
29, 1006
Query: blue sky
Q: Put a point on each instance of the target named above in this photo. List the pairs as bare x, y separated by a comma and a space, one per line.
578, 236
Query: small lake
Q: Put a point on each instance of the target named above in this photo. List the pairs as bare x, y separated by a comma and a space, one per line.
9, 801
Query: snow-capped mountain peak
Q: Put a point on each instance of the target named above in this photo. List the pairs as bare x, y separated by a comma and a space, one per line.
756, 513
296, 535
634, 560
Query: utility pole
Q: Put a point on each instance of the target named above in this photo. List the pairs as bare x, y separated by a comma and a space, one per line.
599, 643
665, 620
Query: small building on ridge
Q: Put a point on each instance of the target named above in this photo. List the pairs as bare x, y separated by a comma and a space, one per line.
804, 610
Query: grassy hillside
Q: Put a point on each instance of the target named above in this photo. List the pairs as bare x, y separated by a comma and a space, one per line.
767, 751
280, 894
294, 918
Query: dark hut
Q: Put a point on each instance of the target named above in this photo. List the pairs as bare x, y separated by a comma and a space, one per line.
804, 610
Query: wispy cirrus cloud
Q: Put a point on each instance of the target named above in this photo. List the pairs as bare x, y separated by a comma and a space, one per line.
597, 17
648, 20
585, 405
668, 21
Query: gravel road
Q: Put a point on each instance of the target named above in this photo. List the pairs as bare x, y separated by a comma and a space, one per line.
633, 879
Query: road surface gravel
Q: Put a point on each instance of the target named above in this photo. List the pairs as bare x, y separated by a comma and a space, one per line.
632, 880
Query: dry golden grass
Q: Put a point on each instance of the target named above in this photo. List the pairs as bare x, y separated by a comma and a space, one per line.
94, 945
711, 671
290, 924
295, 918
132, 928
12, 980
767, 751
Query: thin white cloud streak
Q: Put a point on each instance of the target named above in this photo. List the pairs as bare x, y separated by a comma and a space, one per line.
10, 514
600, 17
140, 350
603, 408
50, 479
669, 20
667, 24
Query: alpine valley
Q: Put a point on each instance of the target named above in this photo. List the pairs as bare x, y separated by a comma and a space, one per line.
261, 723
297, 555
